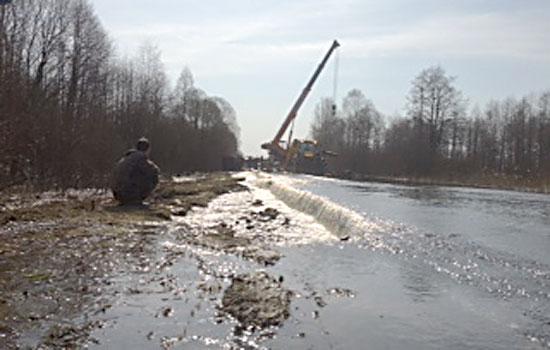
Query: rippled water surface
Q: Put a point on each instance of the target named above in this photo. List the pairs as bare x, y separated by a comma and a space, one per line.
440, 267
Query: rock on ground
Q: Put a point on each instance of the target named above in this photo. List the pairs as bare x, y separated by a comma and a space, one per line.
257, 300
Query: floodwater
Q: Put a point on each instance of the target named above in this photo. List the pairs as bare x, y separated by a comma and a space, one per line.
425, 268
440, 267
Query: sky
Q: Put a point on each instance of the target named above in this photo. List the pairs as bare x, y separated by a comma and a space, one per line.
259, 55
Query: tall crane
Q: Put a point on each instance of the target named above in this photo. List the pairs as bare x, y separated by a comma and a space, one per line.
274, 147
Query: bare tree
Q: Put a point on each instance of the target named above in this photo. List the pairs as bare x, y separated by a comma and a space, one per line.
327, 127
433, 102
68, 108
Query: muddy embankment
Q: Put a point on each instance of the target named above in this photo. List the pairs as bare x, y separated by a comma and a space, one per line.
63, 256
505, 183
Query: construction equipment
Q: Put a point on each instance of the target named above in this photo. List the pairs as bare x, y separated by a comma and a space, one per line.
299, 156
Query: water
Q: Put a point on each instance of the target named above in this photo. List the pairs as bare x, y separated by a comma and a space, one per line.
442, 267
514, 222
397, 305
420, 268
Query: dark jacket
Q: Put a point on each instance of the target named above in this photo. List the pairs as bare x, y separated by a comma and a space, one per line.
134, 178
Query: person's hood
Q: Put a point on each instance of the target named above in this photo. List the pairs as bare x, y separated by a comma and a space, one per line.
130, 151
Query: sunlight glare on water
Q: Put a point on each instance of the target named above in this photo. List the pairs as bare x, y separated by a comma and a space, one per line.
445, 249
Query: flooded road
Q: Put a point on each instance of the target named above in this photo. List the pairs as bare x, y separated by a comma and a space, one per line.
514, 222
430, 267
282, 262
401, 268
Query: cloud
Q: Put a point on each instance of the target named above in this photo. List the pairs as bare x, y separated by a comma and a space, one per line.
258, 53
247, 44
225, 47
485, 34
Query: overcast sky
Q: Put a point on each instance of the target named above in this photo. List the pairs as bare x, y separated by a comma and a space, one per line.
259, 54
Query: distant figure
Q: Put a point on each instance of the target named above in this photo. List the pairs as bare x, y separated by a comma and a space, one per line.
135, 176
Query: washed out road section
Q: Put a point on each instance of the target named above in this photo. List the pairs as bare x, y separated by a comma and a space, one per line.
259, 261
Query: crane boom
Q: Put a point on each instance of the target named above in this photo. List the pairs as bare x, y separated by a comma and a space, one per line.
274, 146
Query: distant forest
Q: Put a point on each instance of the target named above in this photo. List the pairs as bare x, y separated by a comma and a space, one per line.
440, 137
70, 106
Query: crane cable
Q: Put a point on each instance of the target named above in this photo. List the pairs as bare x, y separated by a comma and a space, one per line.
335, 82
290, 134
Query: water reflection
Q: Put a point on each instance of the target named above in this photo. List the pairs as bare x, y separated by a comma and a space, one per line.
428, 195
418, 282
496, 202
365, 188
469, 259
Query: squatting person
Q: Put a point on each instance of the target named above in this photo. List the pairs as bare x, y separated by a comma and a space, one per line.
135, 176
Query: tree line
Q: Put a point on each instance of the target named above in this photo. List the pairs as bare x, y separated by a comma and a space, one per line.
70, 106
439, 136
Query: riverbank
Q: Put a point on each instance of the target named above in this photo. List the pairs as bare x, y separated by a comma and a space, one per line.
506, 183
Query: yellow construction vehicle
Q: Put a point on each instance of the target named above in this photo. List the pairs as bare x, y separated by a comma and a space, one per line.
299, 156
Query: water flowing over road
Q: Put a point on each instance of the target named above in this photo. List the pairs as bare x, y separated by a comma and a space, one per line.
391, 267
430, 267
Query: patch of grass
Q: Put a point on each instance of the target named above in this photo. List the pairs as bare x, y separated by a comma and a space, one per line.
170, 198
537, 185
37, 277
181, 197
209, 187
